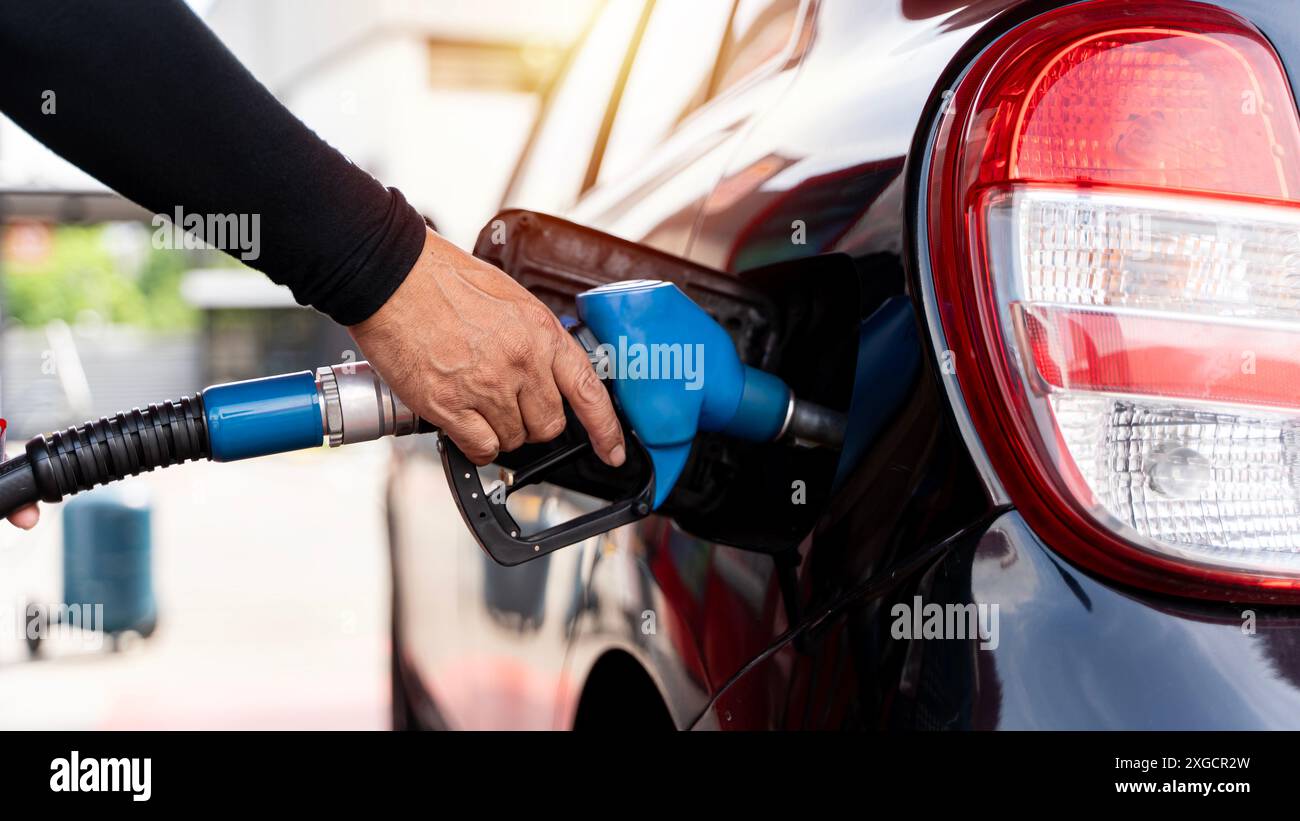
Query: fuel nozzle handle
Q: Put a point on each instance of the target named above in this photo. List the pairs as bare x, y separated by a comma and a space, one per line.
677, 374
340, 404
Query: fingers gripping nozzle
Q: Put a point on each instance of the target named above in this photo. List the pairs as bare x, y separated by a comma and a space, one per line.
673, 372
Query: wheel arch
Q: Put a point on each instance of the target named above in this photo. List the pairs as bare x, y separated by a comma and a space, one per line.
619, 691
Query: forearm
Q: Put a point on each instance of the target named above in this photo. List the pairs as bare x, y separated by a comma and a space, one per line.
147, 100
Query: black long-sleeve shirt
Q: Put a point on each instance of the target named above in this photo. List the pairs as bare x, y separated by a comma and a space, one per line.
150, 102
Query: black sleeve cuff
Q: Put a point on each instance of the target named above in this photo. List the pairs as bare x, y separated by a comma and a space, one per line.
376, 277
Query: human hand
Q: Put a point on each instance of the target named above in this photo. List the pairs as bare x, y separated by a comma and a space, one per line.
470, 350
25, 517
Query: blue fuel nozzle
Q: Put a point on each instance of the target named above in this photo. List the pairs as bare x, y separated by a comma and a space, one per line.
675, 372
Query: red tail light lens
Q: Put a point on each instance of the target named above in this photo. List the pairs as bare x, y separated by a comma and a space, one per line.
1154, 103
1114, 235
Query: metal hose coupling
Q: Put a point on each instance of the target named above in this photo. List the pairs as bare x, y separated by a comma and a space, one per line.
356, 405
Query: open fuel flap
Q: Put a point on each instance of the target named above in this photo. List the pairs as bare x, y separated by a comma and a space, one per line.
741, 480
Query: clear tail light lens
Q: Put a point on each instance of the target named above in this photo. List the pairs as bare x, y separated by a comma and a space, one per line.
1114, 225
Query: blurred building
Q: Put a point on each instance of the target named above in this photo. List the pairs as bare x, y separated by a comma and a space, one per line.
252, 327
434, 98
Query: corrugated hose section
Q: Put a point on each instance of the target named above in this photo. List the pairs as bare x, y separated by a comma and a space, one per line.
114, 447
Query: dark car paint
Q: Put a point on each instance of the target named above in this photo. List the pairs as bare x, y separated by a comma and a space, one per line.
1073, 653
826, 143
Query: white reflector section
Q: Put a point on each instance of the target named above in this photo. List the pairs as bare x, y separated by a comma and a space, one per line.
1160, 253
1221, 486
1216, 479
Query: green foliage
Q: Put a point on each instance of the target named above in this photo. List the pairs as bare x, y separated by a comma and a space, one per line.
81, 274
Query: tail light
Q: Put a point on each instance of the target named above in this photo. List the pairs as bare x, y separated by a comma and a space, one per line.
1114, 234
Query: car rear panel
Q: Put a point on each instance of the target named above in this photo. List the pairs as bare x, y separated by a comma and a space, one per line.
1075, 650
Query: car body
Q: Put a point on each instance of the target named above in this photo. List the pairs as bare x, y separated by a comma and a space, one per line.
651, 626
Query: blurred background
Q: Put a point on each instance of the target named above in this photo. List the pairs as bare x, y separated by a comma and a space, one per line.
265, 612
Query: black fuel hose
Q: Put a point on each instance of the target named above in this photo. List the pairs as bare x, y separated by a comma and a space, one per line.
104, 450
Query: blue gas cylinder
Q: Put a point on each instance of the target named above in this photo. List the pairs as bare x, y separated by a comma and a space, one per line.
108, 557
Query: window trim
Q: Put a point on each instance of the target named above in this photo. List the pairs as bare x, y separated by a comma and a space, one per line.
553, 89
786, 59
616, 98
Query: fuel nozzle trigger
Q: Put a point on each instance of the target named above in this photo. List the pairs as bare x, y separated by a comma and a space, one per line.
485, 510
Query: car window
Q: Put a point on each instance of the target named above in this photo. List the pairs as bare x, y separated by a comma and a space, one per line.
674, 61
760, 32
551, 174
